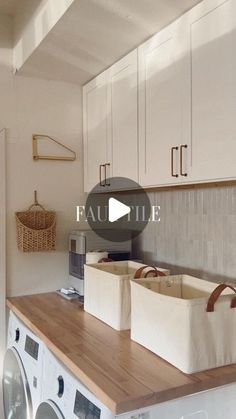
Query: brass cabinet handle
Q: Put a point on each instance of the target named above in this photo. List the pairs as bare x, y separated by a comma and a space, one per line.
181, 159
106, 183
100, 175
172, 161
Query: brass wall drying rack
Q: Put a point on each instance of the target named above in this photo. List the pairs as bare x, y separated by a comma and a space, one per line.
37, 156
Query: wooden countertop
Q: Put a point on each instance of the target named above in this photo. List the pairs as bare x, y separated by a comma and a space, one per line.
122, 374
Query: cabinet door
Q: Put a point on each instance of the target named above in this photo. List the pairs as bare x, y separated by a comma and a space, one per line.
123, 117
213, 68
95, 111
164, 104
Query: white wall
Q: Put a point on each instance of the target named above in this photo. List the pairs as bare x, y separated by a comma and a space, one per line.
30, 106
33, 21
52, 108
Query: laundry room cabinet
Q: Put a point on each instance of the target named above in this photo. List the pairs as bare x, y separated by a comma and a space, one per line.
165, 114
96, 151
110, 125
123, 118
212, 40
164, 108
187, 98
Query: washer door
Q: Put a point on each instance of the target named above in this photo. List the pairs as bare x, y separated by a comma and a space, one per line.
48, 410
16, 392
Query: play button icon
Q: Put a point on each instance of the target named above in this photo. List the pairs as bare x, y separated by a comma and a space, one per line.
117, 210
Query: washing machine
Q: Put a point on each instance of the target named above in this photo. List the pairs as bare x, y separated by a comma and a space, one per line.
22, 371
65, 397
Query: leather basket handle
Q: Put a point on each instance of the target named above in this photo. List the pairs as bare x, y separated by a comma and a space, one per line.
153, 270
216, 294
105, 260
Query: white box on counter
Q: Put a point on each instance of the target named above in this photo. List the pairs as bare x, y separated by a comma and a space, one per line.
107, 291
185, 320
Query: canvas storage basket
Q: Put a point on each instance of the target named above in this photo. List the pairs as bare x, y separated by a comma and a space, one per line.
107, 290
36, 229
189, 322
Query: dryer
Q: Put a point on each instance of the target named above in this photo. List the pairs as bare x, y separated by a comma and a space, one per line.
22, 371
65, 397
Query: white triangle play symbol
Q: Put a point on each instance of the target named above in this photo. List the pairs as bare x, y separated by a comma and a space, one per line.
117, 209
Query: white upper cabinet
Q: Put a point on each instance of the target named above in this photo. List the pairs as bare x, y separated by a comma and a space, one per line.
123, 121
164, 108
213, 74
95, 112
110, 125
167, 116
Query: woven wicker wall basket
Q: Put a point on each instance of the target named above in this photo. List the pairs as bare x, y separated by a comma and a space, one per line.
36, 230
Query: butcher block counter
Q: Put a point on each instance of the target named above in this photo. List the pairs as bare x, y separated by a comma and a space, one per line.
122, 374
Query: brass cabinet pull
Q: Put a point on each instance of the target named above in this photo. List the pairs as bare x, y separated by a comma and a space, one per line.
172, 161
100, 175
181, 159
106, 183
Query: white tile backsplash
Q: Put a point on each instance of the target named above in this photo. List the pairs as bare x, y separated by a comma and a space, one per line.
196, 234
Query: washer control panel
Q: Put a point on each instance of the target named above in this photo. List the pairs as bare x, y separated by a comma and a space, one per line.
31, 347
83, 408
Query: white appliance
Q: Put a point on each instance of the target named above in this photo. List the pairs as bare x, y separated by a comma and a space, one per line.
22, 371
65, 397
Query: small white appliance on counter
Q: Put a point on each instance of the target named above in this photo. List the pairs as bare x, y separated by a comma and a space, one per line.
83, 243
65, 397
22, 371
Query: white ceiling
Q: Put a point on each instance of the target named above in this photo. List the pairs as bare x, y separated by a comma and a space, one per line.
9, 7
93, 34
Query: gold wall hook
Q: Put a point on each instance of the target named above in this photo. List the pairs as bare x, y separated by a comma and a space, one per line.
36, 156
